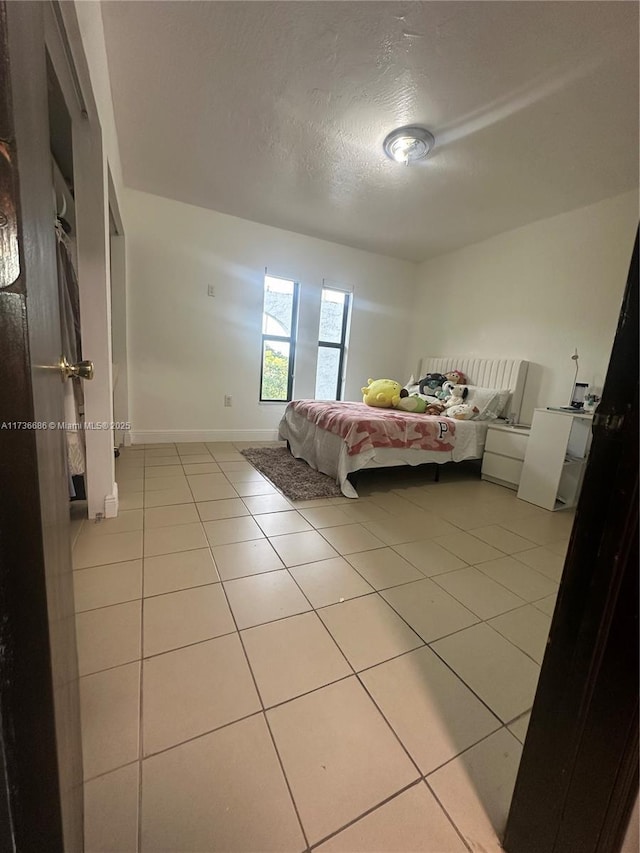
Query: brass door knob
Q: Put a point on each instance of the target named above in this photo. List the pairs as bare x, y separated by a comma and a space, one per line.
79, 370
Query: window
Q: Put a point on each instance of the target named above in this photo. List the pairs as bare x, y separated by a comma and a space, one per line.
278, 339
334, 314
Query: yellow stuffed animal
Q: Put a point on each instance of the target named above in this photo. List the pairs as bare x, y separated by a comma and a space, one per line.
380, 393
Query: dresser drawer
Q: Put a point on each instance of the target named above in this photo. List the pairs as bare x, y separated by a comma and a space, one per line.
502, 468
511, 444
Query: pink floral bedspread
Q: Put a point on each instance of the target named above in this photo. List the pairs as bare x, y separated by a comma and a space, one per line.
364, 427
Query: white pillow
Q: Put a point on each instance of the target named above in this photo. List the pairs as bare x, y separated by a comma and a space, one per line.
504, 397
490, 401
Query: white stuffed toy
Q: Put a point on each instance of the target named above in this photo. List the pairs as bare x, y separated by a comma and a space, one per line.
458, 395
445, 392
461, 412
455, 407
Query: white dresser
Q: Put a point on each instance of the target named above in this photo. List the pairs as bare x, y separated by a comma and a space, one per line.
504, 454
555, 458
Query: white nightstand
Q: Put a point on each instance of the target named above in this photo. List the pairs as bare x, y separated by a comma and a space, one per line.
555, 459
504, 453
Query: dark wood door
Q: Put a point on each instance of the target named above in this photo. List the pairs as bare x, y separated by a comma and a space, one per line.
578, 778
39, 705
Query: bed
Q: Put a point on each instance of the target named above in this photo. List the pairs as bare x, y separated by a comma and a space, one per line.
339, 439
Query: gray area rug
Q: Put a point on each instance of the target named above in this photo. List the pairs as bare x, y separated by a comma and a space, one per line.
294, 478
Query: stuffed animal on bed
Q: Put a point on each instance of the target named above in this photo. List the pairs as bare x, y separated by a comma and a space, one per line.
461, 412
434, 409
456, 376
380, 392
455, 407
407, 403
458, 394
445, 392
431, 383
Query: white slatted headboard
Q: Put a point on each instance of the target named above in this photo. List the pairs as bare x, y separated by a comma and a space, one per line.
500, 373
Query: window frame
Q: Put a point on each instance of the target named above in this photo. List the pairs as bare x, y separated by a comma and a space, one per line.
342, 345
290, 339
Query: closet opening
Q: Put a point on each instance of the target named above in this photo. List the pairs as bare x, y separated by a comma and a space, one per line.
63, 221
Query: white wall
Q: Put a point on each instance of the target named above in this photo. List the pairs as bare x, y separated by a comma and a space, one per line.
187, 350
533, 293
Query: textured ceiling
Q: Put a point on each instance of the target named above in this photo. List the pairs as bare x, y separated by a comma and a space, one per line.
276, 112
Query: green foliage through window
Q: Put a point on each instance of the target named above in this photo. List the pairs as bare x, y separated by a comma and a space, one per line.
275, 375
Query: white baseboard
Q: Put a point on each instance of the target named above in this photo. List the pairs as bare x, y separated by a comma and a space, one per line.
111, 503
152, 436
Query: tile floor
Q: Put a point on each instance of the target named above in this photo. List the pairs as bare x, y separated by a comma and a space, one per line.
264, 675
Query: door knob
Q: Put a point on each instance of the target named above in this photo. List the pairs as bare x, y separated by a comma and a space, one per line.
79, 370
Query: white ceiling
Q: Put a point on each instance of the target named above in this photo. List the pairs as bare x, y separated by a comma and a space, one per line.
276, 112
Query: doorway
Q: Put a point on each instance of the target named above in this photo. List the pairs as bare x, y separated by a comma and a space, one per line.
61, 144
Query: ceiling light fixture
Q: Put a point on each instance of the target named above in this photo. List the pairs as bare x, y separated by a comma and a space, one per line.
408, 144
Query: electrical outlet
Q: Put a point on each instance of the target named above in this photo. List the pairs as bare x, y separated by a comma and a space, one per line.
211, 291
228, 399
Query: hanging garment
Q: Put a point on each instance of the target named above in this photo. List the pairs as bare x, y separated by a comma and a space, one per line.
69, 297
